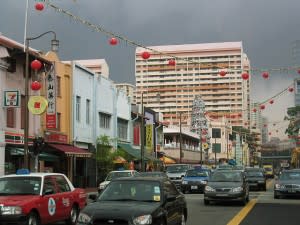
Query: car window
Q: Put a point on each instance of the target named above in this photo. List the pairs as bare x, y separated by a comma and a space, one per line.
254, 174
114, 175
62, 184
120, 190
177, 168
196, 173
170, 188
290, 176
20, 185
226, 177
49, 186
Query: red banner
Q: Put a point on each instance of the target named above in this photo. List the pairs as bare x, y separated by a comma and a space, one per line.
51, 121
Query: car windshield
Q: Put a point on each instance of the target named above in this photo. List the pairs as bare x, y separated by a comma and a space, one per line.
220, 176
120, 190
268, 169
196, 173
114, 175
177, 168
152, 174
254, 174
20, 185
290, 176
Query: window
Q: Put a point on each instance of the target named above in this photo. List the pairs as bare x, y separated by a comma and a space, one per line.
78, 100
62, 184
88, 109
58, 121
216, 147
49, 186
10, 117
122, 128
104, 120
58, 89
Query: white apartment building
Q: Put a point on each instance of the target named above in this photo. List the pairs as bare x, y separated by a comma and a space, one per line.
171, 89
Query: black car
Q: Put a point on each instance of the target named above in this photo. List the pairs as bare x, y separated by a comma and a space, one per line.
153, 174
287, 184
256, 179
226, 185
137, 200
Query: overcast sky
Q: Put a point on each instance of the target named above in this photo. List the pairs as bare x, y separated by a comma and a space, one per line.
268, 29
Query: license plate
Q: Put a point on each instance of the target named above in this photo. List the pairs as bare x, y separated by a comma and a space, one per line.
194, 187
222, 195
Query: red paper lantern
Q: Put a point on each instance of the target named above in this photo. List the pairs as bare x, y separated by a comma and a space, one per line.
113, 41
254, 110
270, 133
298, 71
240, 115
222, 73
265, 75
265, 125
262, 107
245, 76
271, 101
246, 123
36, 64
291, 89
35, 85
145, 55
172, 62
39, 6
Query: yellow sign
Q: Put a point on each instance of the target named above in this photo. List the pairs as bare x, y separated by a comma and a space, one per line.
149, 136
37, 105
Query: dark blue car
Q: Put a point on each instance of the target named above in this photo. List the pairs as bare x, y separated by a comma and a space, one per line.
195, 180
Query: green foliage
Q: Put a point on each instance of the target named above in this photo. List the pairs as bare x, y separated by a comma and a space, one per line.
293, 127
250, 138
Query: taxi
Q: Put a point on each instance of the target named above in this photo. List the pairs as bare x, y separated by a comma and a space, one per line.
39, 198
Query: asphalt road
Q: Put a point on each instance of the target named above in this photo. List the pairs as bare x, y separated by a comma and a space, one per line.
262, 209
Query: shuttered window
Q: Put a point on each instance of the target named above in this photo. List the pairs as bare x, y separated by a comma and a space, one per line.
10, 117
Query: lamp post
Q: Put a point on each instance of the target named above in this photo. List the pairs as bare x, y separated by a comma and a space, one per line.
54, 47
180, 139
142, 135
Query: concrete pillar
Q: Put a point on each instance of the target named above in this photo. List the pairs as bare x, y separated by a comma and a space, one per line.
2, 153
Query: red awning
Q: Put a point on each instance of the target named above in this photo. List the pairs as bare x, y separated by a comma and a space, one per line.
71, 150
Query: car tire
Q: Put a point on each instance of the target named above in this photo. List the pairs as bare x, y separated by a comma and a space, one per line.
74, 213
206, 202
33, 219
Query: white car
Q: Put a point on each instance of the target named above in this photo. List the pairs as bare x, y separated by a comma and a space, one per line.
116, 174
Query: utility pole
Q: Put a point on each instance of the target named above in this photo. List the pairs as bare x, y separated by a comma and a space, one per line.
142, 135
200, 146
180, 139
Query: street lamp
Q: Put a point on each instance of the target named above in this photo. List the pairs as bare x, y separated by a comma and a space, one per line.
54, 47
142, 135
180, 139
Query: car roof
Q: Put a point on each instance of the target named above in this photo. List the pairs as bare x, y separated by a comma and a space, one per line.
35, 174
122, 171
140, 178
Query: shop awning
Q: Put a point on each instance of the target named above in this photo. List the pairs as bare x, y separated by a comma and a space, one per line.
135, 152
16, 151
70, 150
167, 160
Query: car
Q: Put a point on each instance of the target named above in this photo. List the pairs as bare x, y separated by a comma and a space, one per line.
39, 198
114, 175
153, 174
137, 200
269, 170
256, 179
176, 172
287, 184
195, 180
226, 185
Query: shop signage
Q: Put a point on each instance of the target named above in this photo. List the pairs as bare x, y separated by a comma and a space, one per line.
37, 105
11, 98
56, 138
51, 97
16, 138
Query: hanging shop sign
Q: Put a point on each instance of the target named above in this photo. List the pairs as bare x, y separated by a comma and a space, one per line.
37, 105
11, 98
51, 97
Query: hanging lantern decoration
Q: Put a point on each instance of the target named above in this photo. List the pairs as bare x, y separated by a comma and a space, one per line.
113, 41
265, 125
298, 71
172, 62
291, 89
145, 55
262, 107
270, 133
35, 85
204, 132
245, 123
254, 124
265, 75
240, 115
39, 6
271, 101
222, 73
254, 110
245, 76
36, 65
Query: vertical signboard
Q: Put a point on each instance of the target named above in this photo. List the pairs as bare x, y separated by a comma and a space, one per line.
149, 138
51, 97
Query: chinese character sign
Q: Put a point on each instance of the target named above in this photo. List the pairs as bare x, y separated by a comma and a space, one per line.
149, 137
51, 97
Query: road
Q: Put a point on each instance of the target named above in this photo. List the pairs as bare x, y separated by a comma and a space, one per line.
261, 209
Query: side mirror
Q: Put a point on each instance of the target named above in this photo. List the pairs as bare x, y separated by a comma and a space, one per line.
93, 197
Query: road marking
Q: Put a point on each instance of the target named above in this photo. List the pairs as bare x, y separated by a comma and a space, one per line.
243, 213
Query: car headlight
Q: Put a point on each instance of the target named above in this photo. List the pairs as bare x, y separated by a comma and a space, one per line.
145, 219
184, 182
279, 186
209, 189
203, 182
237, 189
11, 210
83, 218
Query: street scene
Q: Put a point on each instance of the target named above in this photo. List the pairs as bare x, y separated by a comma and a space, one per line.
138, 112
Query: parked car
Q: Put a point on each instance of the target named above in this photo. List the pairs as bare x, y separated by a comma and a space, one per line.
226, 185
153, 174
39, 198
176, 172
195, 180
269, 170
287, 184
137, 200
256, 178
114, 175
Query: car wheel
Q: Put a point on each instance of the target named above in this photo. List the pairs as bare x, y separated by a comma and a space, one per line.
74, 213
33, 219
206, 202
